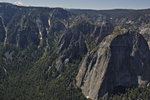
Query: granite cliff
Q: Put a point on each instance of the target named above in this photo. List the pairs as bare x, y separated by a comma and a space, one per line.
118, 62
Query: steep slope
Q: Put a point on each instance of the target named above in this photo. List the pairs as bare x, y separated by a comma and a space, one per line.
29, 41
41, 49
27, 25
119, 61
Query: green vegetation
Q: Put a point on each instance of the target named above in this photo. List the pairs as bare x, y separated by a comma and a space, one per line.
137, 93
32, 75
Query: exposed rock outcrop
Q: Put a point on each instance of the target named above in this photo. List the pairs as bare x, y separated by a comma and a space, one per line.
119, 61
80, 39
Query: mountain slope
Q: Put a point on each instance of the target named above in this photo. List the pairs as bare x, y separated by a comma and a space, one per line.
57, 54
119, 62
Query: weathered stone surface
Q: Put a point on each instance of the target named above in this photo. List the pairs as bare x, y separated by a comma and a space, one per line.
119, 61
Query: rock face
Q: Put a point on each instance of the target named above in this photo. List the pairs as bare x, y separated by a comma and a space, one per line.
76, 41
119, 61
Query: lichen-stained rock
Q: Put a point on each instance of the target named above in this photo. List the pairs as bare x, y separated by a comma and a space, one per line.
119, 61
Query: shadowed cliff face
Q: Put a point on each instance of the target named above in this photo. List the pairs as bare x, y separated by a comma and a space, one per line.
121, 61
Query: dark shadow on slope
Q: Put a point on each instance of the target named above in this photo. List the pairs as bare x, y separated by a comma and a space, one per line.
130, 58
